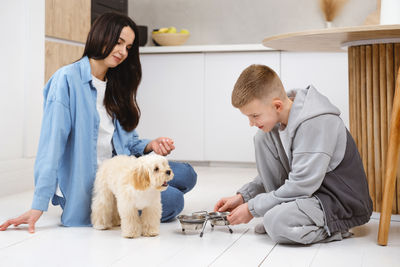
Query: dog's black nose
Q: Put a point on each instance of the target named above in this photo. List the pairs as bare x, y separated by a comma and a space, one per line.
168, 172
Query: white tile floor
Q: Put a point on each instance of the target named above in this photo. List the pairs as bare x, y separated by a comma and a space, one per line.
53, 245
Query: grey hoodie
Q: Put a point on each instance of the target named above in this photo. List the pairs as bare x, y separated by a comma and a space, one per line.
318, 146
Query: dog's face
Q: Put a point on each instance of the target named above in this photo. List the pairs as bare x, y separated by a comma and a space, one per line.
152, 171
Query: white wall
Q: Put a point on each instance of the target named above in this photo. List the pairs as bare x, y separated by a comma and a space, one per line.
328, 72
22, 79
242, 22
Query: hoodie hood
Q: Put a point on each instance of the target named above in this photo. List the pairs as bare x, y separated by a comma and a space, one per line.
308, 103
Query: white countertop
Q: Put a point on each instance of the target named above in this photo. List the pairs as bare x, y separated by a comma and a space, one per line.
203, 48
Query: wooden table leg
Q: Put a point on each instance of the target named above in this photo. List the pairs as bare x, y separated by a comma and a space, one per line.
391, 167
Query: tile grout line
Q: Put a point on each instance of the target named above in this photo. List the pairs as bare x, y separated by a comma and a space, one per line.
266, 256
313, 258
157, 264
16, 243
225, 250
34, 235
173, 255
117, 260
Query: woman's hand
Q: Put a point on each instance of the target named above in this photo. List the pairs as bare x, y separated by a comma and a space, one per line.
162, 146
229, 203
30, 217
240, 215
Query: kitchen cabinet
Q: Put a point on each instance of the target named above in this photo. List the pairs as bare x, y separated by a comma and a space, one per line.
170, 97
68, 20
60, 54
67, 26
186, 94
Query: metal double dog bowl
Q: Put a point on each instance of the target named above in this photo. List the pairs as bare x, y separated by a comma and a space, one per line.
198, 220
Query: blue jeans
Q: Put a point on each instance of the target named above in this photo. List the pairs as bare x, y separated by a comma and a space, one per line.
172, 199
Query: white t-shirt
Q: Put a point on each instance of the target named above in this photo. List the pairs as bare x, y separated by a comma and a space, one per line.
284, 135
106, 127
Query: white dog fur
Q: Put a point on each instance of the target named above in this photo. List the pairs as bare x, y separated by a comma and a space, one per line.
124, 185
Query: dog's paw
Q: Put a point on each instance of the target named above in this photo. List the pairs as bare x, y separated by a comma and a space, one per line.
101, 227
131, 231
130, 234
150, 231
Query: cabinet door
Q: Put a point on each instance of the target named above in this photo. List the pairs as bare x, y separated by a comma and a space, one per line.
171, 101
59, 55
69, 20
328, 72
228, 136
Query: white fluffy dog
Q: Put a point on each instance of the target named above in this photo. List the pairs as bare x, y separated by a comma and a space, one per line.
125, 185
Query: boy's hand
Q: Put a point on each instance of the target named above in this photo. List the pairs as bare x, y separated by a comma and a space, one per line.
29, 217
240, 215
161, 146
228, 203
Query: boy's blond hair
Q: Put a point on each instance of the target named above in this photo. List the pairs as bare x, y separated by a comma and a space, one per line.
256, 82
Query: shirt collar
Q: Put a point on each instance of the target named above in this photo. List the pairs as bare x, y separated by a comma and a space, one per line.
85, 69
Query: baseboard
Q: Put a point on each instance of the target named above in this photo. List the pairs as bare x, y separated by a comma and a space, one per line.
16, 176
227, 164
377, 215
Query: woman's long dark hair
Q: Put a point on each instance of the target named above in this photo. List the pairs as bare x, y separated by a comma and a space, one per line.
123, 80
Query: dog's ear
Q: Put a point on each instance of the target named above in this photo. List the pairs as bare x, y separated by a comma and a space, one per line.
141, 179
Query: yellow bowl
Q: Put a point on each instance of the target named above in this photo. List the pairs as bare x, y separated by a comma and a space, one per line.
165, 39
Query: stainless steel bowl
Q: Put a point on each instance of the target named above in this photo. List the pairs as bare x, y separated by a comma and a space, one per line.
218, 214
192, 222
218, 218
219, 222
198, 220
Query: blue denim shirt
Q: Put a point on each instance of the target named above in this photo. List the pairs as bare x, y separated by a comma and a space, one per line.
67, 153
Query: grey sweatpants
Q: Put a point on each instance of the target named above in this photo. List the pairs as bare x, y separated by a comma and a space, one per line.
298, 221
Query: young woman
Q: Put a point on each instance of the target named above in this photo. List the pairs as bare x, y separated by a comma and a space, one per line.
90, 114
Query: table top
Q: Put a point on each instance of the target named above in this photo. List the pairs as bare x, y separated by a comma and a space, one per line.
334, 39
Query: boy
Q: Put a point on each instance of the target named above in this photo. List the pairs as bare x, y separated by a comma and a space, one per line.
311, 185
